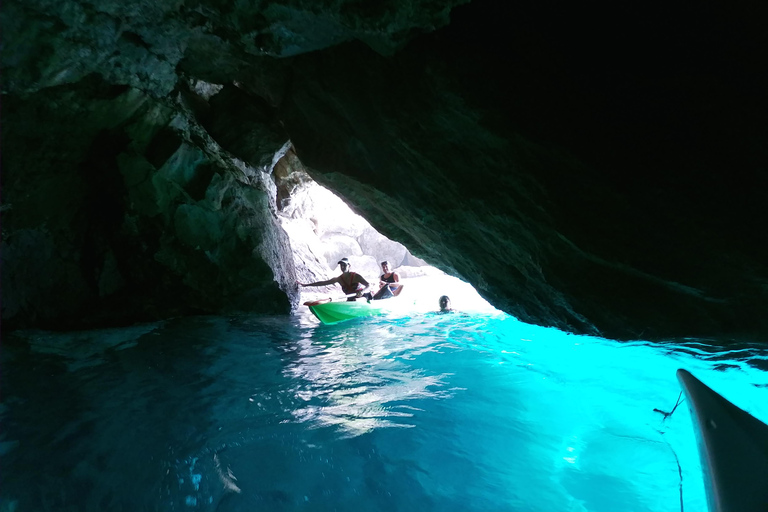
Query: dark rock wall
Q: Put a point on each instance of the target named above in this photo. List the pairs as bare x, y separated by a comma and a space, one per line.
132, 190
119, 208
598, 170
552, 236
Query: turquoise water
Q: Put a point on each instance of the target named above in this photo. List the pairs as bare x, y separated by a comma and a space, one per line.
429, 413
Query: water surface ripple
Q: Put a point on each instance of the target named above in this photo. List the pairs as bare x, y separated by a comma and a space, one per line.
429, 413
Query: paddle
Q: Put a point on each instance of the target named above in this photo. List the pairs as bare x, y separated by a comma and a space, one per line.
330, 299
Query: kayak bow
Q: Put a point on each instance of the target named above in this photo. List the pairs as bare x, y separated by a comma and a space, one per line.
733, 446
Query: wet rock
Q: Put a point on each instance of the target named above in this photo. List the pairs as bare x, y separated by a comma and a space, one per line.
132, 216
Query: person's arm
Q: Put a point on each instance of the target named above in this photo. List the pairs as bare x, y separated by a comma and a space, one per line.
321, 283
396, 287
360, 279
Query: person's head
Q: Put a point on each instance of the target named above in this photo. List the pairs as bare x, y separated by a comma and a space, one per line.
385, 266
445, 303
344, 264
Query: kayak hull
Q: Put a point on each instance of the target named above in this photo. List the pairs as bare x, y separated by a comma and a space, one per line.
333, 312
733, 446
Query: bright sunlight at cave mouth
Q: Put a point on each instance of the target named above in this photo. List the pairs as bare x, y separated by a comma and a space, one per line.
323, 229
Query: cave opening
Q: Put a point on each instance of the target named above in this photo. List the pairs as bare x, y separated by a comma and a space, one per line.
323, 228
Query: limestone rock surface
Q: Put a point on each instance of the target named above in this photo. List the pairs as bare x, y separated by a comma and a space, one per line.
323, 229
121, 208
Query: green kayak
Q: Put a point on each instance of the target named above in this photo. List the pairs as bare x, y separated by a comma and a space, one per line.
333, 312
733, 446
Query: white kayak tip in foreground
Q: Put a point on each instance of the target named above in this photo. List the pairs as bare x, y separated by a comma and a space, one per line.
733, 446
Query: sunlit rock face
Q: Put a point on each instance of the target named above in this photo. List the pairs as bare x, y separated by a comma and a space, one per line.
323, 229
601, 172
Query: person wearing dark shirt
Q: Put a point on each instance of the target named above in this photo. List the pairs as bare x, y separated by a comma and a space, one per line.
389, 283
351, 283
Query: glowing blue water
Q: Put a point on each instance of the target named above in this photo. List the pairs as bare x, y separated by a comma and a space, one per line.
434, 412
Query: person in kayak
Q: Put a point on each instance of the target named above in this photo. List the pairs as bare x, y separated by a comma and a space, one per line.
351, 283
388, 283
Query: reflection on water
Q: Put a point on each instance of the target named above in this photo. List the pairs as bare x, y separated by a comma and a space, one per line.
356, 380
430, 412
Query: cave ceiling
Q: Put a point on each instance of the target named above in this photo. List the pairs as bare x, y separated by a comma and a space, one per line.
598, 170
